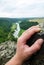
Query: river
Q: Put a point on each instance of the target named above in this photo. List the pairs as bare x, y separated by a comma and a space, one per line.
15, 34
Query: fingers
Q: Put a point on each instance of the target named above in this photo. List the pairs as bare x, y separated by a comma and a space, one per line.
36, 46
28, 33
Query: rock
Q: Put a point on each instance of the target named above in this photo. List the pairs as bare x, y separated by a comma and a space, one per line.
38, 57
7, 51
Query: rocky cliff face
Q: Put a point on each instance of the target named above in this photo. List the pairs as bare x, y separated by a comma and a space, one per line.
7, 51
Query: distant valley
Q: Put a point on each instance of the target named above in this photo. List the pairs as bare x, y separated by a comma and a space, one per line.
8, 27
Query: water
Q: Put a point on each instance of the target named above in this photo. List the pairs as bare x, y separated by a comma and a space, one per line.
15, 34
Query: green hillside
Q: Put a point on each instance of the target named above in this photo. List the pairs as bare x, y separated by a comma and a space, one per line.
26, 24
8, 26
5, 29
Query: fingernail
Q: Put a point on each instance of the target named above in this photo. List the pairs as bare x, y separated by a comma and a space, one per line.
39, 29
38, 26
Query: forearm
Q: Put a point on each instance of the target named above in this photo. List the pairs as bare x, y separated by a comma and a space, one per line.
14, 61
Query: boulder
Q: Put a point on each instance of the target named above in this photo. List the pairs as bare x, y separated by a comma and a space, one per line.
7, 51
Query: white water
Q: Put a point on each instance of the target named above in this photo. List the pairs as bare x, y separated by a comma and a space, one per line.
15, 34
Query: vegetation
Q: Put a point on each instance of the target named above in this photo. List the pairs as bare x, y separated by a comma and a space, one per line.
26, 24
21, 31
8, 26
6, 29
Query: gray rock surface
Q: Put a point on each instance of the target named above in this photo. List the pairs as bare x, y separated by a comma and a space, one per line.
7, 51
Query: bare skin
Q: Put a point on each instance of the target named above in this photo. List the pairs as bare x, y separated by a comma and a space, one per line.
24, 51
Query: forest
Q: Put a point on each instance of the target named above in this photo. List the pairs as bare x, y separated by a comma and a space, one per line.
8, 26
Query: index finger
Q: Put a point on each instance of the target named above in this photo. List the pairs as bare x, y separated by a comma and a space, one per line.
28, 33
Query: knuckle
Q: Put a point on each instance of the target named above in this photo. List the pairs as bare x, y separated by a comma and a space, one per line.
19, 39
38, 47
33, 27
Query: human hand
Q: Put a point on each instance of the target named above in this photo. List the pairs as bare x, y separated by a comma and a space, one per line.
24, 51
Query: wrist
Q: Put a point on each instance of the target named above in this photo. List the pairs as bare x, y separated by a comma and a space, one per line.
18, 60
14, 61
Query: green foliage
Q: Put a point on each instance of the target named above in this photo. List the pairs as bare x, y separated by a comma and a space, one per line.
11, 37
21, 31
26, 24
5, 29
13, 27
